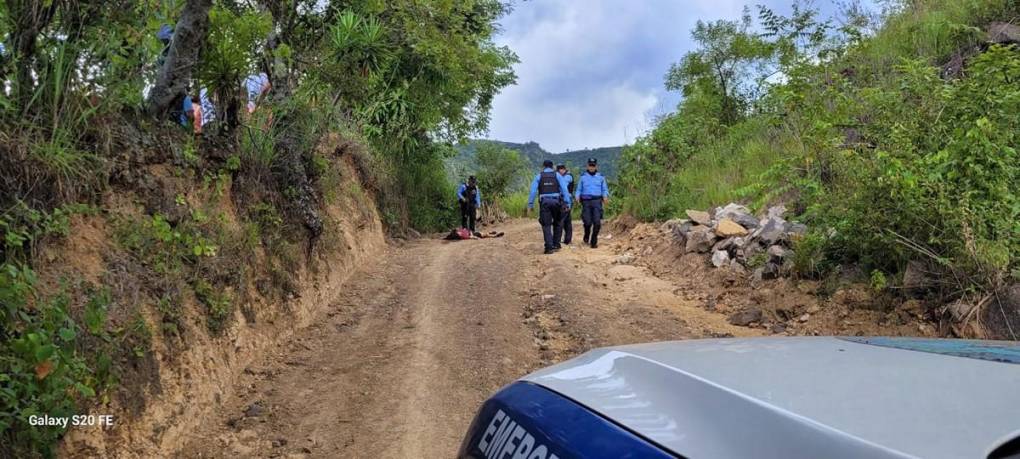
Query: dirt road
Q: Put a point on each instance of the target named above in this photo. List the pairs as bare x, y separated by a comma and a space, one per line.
399, 364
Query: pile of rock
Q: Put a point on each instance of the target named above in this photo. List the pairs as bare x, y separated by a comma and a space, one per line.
737, 239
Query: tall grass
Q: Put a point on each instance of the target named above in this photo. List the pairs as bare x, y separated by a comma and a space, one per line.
514, 204
719, 173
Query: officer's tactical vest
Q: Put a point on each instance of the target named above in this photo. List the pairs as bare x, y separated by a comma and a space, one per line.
547, 183
469, 194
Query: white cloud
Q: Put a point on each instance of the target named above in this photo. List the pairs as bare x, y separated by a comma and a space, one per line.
604, 119
591, 71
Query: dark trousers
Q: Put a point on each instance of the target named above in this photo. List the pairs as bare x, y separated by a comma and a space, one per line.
551, 217
467, 215
568, 227
591, 215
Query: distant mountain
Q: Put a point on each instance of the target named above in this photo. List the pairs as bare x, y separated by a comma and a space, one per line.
535, 154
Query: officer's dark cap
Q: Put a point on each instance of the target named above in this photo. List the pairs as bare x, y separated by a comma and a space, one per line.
547, 163
561, 167
471, 178
593, 162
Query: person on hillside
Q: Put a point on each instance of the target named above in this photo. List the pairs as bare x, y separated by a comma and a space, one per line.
551, 189
208, 109
470, 199
593, 193
256, 86
568, 227
165, 35
191, 113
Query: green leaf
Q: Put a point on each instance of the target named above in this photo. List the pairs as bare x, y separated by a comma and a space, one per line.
85, 390
67, 334
44, 352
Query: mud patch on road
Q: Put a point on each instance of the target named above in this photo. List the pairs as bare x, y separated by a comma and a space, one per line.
554, 338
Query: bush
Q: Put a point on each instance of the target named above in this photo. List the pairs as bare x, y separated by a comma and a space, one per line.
499, 169
885, 159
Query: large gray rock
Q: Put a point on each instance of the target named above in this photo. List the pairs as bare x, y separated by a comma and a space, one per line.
960, 309
778, 253
745, 318
700, 217
700, 239
737, 213
1003, 33
727, 244
796, 229
772, 231
670, 225
720, 258
776, 212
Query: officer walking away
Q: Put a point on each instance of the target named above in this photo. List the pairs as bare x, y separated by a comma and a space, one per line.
593, 193
568, 227
470, 199
553, 197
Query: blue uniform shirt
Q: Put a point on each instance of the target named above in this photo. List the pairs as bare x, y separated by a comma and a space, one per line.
478, 194
563, 188
186, 108
592, 185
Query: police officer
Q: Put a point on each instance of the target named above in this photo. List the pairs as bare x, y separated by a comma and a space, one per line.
568, 227
470, 199
593, 193
553, 197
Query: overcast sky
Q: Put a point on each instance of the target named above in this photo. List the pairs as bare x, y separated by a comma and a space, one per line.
591, 71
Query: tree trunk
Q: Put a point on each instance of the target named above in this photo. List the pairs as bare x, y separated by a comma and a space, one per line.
182, 57
291, 167
29, 18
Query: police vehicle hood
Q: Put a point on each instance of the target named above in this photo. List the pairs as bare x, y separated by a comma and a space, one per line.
803, 397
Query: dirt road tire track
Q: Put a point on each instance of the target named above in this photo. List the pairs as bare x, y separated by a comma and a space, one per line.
400, 363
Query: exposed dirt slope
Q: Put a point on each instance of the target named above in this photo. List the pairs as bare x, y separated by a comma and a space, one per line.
182, 378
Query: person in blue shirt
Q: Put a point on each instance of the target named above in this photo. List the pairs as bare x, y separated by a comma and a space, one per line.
553, 197
470, 199
593, 193
568, 227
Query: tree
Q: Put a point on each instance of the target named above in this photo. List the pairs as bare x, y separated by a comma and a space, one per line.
723, 70
181, 60
499, 169
231, 55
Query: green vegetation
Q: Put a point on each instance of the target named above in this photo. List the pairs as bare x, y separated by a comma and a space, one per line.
500, 170
868, 133
531, 151
45, 373
91, 109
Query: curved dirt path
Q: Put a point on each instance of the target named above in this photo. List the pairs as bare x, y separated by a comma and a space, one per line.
398, 365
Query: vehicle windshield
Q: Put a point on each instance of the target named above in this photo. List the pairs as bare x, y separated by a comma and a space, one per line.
984, 350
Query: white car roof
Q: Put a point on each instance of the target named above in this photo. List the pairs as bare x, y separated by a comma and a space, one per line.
801, 397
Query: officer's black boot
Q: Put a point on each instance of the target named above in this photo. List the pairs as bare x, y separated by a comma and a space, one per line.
595, 235
587, 233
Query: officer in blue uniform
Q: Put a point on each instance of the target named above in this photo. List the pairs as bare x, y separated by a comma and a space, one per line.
553, 196
568, 227
470, 199
593, 193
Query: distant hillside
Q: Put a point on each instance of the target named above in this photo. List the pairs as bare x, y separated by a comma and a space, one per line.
575, 159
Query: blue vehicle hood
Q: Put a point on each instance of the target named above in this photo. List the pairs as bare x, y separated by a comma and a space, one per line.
802, 397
